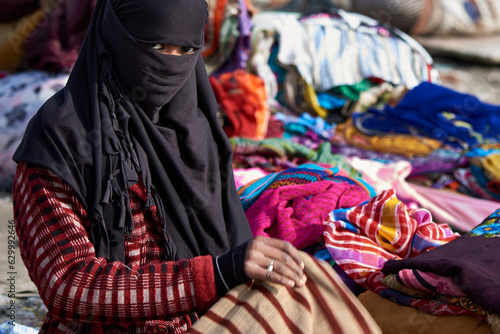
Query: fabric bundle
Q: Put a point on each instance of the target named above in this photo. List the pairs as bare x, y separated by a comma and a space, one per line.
450, 139
460, 211
459, 17
368, 239
347, 43
294, 206
483, 171
276, 154
55, 44
402, 15
21, 95
432, 17
401, 144
362, 238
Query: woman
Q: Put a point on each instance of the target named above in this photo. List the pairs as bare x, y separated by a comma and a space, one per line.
126, 210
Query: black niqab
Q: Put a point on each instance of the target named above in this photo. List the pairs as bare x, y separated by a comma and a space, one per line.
130, 112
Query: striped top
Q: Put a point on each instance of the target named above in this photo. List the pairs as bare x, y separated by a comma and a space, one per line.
82, 292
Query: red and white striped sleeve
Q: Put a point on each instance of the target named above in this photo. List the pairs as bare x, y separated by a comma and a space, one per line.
74, 283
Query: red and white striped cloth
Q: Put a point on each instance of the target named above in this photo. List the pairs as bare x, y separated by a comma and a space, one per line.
144, 295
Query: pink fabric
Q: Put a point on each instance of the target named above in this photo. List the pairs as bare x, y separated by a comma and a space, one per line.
444, 306
466, 211
442, 284
296, 213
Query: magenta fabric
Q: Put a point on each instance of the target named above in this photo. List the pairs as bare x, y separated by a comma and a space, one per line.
296, 213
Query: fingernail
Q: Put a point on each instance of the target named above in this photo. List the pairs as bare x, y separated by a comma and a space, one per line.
291, 284
302, 265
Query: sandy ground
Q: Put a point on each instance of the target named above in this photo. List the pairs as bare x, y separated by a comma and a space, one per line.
16, 287
19, 299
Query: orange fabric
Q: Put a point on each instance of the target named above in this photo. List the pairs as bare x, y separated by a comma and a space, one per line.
242, 97
254, 88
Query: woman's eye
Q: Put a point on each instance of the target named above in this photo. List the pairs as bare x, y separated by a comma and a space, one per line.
155, 46
168, 49
187, 49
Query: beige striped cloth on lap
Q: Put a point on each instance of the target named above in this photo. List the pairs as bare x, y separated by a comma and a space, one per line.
324, 305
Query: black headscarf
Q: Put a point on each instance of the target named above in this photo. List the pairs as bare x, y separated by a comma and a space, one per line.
129, 111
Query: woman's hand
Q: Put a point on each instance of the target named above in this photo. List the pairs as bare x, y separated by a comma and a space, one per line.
287, 268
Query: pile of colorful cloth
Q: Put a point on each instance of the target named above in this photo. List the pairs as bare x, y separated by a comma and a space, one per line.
376, 242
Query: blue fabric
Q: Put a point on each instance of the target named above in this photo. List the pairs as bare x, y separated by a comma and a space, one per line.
316, 124
457, 119
330, 102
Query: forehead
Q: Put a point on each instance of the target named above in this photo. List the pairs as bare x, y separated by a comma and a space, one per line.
165, 21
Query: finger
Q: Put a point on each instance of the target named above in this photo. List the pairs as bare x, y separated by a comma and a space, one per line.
282, 273
289, 260
287, 270
289, 252
257, 267
264, 250
263, 274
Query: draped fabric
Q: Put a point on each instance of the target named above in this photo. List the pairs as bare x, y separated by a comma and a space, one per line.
471, 261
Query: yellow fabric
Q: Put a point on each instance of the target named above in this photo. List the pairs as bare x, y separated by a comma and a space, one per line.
324, 305
491, 164
388, 229
406, 145
312, 100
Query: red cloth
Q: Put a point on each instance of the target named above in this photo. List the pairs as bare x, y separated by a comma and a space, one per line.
236, 107
141, 296
242, 97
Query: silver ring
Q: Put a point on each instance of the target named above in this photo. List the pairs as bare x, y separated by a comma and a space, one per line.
270, 267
